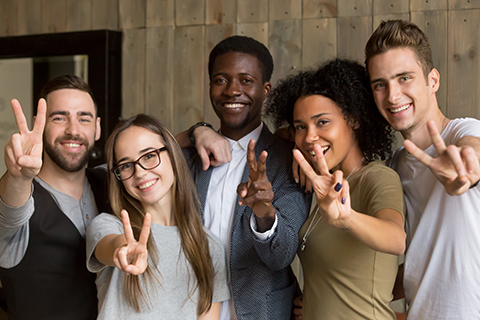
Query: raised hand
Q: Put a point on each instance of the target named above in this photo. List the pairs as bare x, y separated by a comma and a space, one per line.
23, 152
300, 176
456, 167
132, 258
257, 192
331, 191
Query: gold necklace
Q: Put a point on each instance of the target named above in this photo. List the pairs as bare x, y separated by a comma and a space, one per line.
310, 227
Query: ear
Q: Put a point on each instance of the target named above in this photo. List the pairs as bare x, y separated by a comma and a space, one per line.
267, 87
434, 80
98, 129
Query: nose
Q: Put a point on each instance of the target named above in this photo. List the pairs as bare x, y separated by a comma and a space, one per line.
73, 128
233, 89
394, 93
312, 135
139, 171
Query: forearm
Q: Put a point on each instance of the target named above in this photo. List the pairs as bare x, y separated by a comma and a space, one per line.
384, 234
182, 139
15, 191
106, 248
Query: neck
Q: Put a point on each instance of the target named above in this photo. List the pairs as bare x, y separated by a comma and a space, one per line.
162, 213
71, 183
419, 134
237, 134
352, 163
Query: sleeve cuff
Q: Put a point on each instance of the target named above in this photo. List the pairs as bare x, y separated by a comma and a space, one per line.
262, 235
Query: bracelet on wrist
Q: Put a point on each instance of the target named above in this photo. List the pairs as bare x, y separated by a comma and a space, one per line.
475, 184
191, 137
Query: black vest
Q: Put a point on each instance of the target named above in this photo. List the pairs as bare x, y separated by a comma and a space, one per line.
52, 281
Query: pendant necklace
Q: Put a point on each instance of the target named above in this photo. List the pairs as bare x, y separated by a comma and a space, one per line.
310, 227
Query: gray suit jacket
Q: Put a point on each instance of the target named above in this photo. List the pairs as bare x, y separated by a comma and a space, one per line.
263, 284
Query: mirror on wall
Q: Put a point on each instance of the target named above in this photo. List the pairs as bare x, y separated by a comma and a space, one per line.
28, 62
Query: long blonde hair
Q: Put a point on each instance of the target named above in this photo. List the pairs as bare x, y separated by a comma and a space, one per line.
186, 208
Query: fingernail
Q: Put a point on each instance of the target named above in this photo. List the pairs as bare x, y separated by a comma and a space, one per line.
296, 180
343, 200
338, 186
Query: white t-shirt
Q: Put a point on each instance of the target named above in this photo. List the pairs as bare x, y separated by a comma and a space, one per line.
171, 298
442, 261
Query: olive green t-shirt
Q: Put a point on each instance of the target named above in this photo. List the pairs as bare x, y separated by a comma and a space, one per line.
344, 279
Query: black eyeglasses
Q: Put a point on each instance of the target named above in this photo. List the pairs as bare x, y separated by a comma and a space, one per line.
148, 161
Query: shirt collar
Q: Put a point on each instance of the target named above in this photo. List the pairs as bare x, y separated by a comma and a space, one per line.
243, 142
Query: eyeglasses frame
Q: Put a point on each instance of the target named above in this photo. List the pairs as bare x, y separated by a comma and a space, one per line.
134, 163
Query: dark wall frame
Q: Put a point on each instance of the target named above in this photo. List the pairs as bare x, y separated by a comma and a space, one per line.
104, 50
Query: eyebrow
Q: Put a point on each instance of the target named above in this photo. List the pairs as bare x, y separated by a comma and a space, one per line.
142, 152
316, 116
241, 74
66, 113
401, 74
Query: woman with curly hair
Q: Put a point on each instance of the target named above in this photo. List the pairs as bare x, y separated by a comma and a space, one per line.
349, 243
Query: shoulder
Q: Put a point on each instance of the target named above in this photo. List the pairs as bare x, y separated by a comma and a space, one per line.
377, 173
461, 127
105, 223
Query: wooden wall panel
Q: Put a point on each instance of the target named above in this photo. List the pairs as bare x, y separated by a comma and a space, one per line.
285, 44
425, 5
220, 11
160, 13
79, 15
354, 8
213, 35
105, 14
390, 6
463, 64
434, 25
189, 12
159, 62
29, 17
8, 18
319, 41
317, 9
258, 31
252, 11
131, 13
353, 33
133, 72
54, 16
464, 4
285, 9
189, 76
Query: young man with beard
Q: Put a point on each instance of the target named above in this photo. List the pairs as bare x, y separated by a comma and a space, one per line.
439, 168
259, 226
48, 198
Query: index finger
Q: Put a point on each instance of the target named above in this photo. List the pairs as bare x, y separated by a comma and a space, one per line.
437, 140
145, 230
262, 162
19, 116
304, 165
321, 162
252, 162
40, 119
419, 154
127, 228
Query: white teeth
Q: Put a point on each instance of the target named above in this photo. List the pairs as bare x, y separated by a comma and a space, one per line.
323, 151
234, 105
405, 107
146, 185
72, 145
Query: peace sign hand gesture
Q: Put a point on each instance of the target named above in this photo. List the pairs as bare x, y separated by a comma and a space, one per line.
23, 152
456, 167
257, 192
331, 191
132, 258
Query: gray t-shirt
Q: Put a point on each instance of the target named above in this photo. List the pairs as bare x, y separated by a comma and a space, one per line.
170, 299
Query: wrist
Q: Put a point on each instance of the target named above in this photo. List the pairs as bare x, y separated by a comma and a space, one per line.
191, 136
474, 184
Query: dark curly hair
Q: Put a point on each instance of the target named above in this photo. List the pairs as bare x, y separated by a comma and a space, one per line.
246, 45
347, 84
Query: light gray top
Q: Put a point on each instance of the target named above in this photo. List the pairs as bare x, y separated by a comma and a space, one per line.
14, 228
170, 298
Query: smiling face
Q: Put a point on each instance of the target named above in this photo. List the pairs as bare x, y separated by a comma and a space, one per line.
150, 187
237, 93
71, 129
319, 120
402, 94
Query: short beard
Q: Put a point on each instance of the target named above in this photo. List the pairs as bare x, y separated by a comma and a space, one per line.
62, 162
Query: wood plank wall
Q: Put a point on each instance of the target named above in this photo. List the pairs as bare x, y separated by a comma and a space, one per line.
167, 42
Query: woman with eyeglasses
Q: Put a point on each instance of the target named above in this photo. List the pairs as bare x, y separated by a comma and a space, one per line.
153, 257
